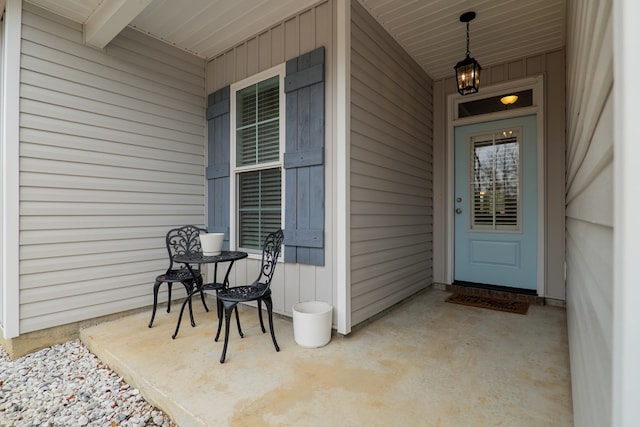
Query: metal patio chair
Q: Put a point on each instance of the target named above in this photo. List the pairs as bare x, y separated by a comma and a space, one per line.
259, 290
179, 241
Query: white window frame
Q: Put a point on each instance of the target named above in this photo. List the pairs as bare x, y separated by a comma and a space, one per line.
278, 70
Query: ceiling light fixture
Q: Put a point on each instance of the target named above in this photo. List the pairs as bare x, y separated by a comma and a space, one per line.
468, 70
509, 99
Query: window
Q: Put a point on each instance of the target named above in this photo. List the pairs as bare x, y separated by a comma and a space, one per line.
521, 99
302, 206
495, 182
257, 141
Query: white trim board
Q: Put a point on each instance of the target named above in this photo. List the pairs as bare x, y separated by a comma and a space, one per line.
626, 317
342, 257
10, 158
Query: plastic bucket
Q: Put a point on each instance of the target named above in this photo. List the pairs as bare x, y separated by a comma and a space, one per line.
312, 323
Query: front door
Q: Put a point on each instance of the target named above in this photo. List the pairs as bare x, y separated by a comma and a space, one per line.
495, 203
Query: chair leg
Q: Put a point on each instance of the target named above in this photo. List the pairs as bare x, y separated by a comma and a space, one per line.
193, 323
156, 285
170, 285
269, 304
260, 316
203, 302
220, 309
188, 287
228, 310
238, 322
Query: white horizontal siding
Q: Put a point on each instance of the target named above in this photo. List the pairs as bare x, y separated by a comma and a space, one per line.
391, 168
590, 135
111, 157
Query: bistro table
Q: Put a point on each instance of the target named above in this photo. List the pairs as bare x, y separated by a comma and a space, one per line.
192, 258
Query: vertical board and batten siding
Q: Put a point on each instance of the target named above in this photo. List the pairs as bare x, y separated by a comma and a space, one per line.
590, 135
111, 157
391, 171
551, 66
299, 34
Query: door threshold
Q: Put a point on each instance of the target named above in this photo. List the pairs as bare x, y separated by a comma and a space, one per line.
495, 291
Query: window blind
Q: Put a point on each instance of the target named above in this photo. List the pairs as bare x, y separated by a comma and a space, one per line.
496, 181
260, 203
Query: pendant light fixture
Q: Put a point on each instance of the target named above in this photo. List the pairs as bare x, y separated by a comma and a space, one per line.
468, 70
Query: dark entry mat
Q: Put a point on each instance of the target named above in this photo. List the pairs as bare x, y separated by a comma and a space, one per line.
517, 307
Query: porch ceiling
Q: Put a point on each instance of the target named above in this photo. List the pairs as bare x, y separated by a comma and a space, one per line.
429, 30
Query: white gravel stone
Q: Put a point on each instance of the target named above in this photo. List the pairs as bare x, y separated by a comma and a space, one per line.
66, 385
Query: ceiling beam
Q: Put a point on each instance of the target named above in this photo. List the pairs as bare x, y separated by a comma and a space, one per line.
109, 19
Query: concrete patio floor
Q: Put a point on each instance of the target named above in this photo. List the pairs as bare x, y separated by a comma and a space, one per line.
426, 362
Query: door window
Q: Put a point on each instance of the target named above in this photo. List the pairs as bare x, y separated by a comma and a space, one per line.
495, 182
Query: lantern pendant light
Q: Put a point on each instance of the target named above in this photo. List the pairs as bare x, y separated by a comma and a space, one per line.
468, 70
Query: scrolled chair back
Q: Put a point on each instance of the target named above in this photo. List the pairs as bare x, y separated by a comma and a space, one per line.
270, 253
184, 240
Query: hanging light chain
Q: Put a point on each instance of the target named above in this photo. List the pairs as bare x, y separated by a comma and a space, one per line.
468, 52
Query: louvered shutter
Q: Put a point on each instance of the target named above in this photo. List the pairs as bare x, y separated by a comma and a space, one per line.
304, 159
219, 142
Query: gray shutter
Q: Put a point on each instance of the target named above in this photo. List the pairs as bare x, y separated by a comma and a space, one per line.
304, 159
219, 141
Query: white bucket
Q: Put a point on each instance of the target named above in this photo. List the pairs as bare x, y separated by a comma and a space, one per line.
312, 323
211, 243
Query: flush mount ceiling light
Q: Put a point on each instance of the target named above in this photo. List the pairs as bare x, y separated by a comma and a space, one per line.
468, 70
509, 99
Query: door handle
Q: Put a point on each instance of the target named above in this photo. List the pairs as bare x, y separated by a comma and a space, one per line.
458, 211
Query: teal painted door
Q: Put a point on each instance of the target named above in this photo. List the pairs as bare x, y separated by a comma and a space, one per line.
495, 203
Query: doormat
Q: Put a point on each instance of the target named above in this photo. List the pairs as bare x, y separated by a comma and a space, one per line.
518, 307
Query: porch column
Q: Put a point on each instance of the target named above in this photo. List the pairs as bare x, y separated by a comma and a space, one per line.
10, 118
342, 256
626, 318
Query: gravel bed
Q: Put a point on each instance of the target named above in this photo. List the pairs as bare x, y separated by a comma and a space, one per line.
66, 385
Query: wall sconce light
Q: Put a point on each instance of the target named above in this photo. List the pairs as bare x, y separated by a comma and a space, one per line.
509, 99
468, 70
